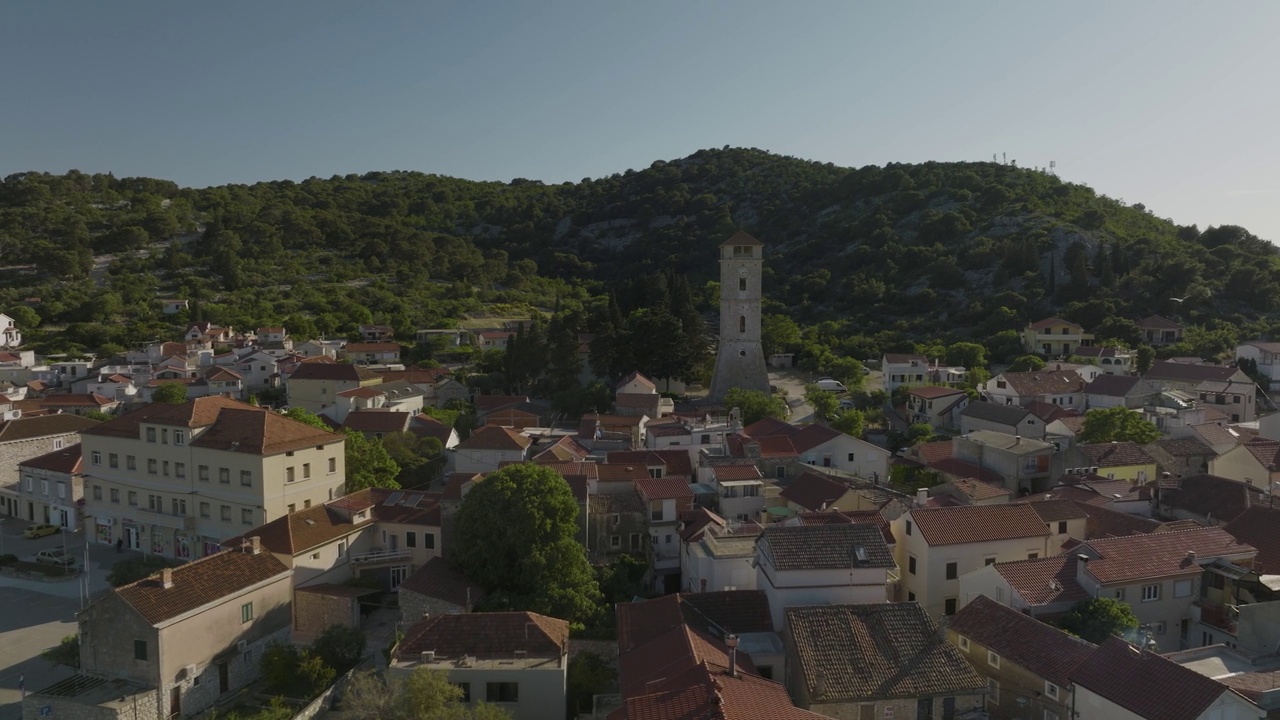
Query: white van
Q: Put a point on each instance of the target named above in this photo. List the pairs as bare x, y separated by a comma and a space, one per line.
830, 385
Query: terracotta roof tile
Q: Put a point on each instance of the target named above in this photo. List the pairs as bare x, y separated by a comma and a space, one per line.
1044, 650
1218, 498
674, 462
438, 579
824, 547
770, 446
637, 377
26, 428
1044, 382
199, 583
1044, 581
961, 469
67, 460
904, 358
1116, 386
706, 690
493, 437
1259, 526
730, 473
1156, 322
1051, 511
1188, 446
301, 531
1115, 454
811, 436
377, 421
768, 426
931, 452
1162, 554
333, 371
260, 432
1147, 684
489, 635
93, 400
1103, 522
996, 413
621, 473
404, 507
1049, 322
666, 487
1185, 372
813, 491
977, 523
979, 490
879, 651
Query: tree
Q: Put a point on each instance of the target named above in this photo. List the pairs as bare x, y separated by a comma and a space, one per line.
1098, 618
170, 392
516, 537
824, 404
919, 432
307, 417
368, 464
967, 354
1117, 424
341, 647
1026, 363
65, 653
851, 422
755, 405
589, 674
1146, 356
424, 694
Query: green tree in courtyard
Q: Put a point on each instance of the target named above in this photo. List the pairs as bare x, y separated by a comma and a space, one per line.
516, 536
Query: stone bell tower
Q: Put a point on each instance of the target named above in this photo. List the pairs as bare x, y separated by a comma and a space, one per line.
740, 357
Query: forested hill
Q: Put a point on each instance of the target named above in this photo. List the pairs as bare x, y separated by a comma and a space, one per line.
953, 251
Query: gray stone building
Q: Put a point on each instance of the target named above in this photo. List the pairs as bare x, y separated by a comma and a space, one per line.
740, 356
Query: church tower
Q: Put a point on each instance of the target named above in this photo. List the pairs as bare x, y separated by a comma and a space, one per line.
740, 357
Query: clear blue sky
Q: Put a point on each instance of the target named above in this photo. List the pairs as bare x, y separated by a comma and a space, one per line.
1171, 104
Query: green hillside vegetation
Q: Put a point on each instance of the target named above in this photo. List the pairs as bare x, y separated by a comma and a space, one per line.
858, 261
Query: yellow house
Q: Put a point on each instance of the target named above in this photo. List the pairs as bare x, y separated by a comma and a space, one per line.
1113, 460
1055, 336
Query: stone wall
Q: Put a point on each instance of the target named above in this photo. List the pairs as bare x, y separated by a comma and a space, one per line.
313, 612
12, 453
201, 689
138, 706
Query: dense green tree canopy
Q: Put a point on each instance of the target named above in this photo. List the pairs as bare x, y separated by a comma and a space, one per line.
1096, 619
174, 393
1119, 424
422, 694
515, 536
755, 405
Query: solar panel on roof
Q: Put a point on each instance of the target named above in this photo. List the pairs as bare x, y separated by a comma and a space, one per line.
413, 500
393, 498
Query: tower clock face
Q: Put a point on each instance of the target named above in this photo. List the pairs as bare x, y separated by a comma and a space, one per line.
742, 272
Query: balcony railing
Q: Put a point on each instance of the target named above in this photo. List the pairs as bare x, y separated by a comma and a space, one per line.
380, 556
1218, 616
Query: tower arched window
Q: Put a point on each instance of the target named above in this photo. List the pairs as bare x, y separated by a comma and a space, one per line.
742, 323
742, 284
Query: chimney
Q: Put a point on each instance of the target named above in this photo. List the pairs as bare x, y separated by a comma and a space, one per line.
1082, 567
922, 497
1017, 439
255, 545
732, 642
1191, 557
166, 578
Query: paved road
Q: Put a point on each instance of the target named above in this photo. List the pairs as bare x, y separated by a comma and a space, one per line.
37, 615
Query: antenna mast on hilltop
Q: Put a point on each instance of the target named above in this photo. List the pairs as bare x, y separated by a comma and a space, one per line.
1004, 157
1053, 167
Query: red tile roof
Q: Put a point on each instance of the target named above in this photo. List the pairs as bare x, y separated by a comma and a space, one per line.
979, 490
768, 426
1050, 322
706, 691
1044, 650
664, 488
261, 432
904, 358
1209, 496
321, 370
76, 400
931, 452
961, 469
200, 412
201, 582
811, 436
770, 446
637, 377
1146, 684
486, 636
377, 421
301, 531
1259, 526
730, 473
362, 392
977, 523
1139, 557
1156, 322
813, 491
1044, 581
898, 649
67, 460
493, 437
1044, 382
1115, 454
